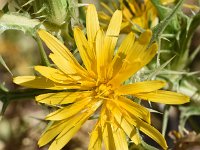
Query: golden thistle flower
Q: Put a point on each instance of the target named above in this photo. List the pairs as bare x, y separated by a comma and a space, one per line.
136, 13
140, 13
99, 84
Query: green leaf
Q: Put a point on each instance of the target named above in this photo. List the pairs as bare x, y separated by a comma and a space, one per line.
14, 21
54, 11
158, 30
184, 42
186, 113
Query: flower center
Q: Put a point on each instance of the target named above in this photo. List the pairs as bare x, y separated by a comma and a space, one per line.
103, 90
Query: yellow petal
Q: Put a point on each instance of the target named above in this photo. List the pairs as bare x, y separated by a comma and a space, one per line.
125, 26
41, 83
61, 97
141, 125
62, 64
54, 74
165, 97
128, 128
124, 73
108, 135
140, 46
145, 37
56, 46
87, 53
106, 7
100, 54
136, 57
96, 138
124, 48
72, 127
148, 130
113, 136
59, 49
119, 138
52, 132
68, 68
115, 23
112, 35
134, 108
126, 13
103, 16
140, 87
68, 111
92, 24
132, 65
148, 55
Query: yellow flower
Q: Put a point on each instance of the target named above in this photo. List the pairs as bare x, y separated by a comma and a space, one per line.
99, 84
136, 13
140, 13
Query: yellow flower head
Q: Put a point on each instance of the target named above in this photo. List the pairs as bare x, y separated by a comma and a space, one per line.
135, 12
99, 84
142, 13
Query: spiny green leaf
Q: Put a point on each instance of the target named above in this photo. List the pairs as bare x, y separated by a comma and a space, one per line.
14, 21
54, 11
158, 30
184, 39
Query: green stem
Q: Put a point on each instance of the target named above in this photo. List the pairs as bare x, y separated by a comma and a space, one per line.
44, 57
25, 93
165, 119
21, 94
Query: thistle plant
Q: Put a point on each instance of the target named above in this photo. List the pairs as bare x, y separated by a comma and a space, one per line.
111, 66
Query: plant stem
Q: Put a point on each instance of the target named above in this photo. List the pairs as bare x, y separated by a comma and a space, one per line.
44, 57
21, 94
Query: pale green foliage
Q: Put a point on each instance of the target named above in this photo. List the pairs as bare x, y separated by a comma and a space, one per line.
15, 21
